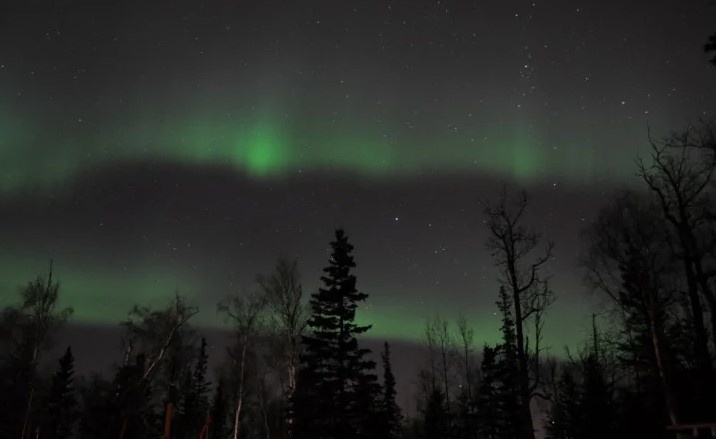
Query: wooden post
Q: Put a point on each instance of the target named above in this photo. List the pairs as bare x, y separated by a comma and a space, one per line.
168, 414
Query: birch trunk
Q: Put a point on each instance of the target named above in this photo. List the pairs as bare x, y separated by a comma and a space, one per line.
240, 401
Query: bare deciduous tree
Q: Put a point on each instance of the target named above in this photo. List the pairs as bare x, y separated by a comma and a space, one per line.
680, 176
511, 245
630, 235
431, 342
466, 336
284, 296
441, 353
246, 316
38, 316
447, 354
155, 332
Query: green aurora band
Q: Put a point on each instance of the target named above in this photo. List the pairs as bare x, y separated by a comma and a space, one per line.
267, 145
264, 146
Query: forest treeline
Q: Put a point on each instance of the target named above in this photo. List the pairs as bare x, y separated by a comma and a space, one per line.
295, 366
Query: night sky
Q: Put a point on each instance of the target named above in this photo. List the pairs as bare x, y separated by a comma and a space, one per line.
154, 146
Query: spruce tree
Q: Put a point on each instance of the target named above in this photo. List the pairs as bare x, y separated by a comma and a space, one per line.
498, 401
195, 404
201, 385
368, 406
490, 418
61, 402
597, 402
334, 372
391, 416
507, 365
186, 417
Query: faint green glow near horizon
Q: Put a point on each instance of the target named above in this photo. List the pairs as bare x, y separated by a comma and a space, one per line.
264, 147
103, 296
99, 296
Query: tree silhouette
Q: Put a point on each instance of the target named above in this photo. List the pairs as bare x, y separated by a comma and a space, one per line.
596, 399
391, 416
160, 342
219, 413
466, 400
246, 316
490, 417
284, 295
584, 407
61, 402
334, 369
563, 414
508, 397
97, 399
195, 404
436, 418
511, 245
680, 177
30, 327
630, 261
132, 414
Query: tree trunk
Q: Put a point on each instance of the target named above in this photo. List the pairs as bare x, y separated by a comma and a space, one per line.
26, 422
264, 413
31, 396
445, 376
708, 294
240, 401
688, 244
468, 373
291, 372
703, 358
664, 375
527, 428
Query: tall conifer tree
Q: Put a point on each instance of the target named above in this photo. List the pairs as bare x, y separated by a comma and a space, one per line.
62, 402
334, 373
195, 404
498, 400
391, 412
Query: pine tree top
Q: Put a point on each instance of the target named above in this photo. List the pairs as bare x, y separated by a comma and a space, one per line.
334, 305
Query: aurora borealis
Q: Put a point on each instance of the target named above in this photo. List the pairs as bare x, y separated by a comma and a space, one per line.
153, 147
